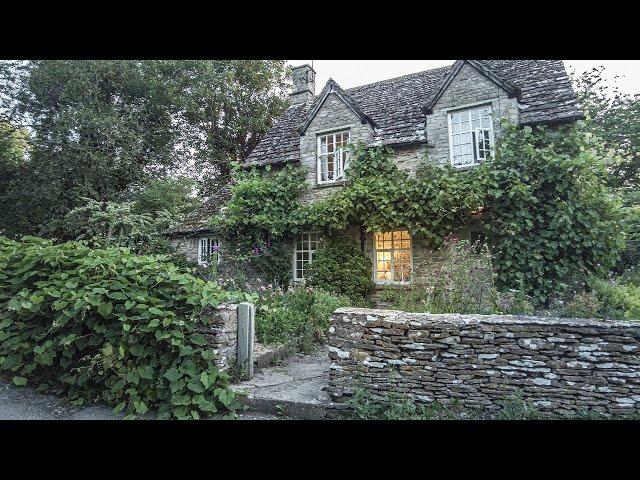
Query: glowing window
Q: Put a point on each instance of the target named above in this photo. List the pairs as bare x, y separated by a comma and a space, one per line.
393, 256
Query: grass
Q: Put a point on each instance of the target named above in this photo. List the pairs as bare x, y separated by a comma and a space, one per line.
396, 407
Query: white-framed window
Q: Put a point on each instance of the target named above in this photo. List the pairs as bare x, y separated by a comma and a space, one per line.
332, 156
208, 250
393, 257
306, 246
470, 135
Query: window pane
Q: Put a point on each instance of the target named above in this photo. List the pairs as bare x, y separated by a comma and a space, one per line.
402, 266
378, 240
323, 169
383, 264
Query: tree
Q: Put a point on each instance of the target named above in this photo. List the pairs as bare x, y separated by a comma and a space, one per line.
97, 128
14, 144
175, 195
105, 130
614, 117
226, 107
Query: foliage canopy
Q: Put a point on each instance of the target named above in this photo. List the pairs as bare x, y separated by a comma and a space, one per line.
107, 325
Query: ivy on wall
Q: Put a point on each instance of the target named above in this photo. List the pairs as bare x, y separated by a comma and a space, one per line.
263, 213
550, 217
435, 202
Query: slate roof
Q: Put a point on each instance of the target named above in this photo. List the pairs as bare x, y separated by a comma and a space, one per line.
200, 219
397, 106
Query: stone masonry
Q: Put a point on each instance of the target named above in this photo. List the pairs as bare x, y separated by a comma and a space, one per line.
561, 366
469, 87
222, 334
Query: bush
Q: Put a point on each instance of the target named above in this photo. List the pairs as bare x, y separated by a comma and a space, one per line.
107, 325
459, 280
341, 268
617, 300
298, 316
551, 218
582, 305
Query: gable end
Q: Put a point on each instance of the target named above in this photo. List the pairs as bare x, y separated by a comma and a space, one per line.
512, 90
333, 87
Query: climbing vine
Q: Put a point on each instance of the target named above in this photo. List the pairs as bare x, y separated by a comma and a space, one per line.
380, 197
550, 217
263, 213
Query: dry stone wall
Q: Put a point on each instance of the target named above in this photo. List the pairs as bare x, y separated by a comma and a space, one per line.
561, 366
221, 334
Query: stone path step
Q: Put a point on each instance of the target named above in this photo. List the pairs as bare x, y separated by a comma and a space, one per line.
294, 389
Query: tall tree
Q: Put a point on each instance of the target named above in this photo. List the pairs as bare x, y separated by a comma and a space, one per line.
614, 117
105, 129
226, 108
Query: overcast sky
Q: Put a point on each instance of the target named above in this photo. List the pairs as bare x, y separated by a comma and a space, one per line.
351, 73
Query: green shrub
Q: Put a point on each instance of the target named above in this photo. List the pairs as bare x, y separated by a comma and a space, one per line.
459, 279
617, 300
340, 267
551, 219
298, 316
107, 325
582, 305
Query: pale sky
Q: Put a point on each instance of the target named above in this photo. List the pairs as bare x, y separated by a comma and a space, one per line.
351, 73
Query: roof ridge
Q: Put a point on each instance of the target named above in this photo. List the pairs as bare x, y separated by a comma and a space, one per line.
401, 76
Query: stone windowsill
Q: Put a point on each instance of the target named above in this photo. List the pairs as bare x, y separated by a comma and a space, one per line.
341, 183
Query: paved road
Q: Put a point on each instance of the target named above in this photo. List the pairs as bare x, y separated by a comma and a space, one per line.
23, 403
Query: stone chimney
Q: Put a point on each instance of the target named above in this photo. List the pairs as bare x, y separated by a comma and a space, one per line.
304, 84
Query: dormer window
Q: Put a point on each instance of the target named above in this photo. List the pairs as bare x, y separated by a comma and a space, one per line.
470, 136
332, 156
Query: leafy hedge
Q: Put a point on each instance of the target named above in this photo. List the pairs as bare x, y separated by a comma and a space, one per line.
107, 325
552, 221
342, 268
298, 316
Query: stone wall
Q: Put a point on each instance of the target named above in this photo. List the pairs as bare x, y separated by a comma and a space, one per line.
188, 245
222, 334
561, 366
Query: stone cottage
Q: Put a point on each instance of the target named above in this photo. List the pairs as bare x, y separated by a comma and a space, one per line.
450, 114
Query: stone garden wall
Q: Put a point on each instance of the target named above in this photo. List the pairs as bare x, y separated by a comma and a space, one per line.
222, 334
563, 366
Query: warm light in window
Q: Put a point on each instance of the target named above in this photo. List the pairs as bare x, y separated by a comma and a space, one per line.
393, 256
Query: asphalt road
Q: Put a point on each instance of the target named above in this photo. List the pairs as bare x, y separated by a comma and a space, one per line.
23, 403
